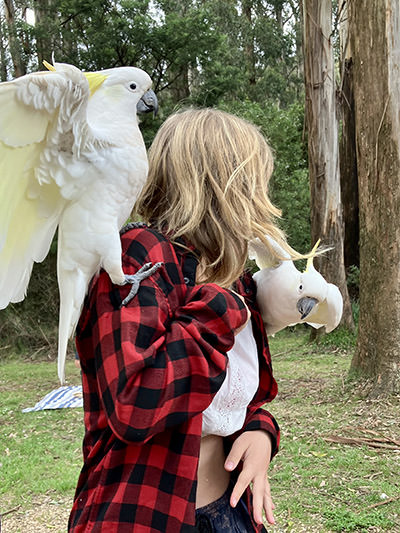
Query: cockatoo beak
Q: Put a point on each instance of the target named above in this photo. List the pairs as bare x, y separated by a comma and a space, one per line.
148, 103
305, 305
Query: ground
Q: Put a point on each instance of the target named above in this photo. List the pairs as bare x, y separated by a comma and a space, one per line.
43, 515
337, 469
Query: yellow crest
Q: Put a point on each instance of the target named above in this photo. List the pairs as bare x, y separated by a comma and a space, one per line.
312, 254
48, 66
95, 81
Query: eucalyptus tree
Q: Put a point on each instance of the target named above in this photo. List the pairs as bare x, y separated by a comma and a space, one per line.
376, 57
347, 144
323, 145
12, 27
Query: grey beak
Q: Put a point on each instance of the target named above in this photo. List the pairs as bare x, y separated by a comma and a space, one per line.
148, 103
305, 305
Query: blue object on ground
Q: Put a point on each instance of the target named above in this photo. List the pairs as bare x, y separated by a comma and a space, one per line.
67, 396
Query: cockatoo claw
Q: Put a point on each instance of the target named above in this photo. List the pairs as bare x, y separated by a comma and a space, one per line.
135, 279
305, 305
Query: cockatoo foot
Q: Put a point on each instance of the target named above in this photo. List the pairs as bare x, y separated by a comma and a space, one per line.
135, 279
305, 305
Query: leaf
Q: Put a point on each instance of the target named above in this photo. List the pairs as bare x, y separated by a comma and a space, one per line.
318, 454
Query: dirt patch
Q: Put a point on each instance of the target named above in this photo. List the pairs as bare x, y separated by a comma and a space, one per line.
45, 515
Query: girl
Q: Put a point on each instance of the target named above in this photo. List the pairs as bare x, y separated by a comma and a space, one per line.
175, 435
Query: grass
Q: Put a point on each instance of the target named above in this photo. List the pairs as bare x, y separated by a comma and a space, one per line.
317, 485
40, 452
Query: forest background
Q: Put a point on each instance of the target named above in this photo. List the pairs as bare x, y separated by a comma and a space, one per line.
296, 70
321, 78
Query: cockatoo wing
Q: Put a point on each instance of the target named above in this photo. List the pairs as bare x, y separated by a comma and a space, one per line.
28, 218
15, 117
33, 220
277, 295
39, 111
263, 256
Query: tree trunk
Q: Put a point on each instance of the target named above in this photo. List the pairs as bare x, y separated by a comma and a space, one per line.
248, 41
377, 107
299, 24
15, 48
347, 146
323, 146
44, 46
278, 12
3, 59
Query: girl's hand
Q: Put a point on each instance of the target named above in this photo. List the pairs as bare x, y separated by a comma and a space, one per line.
254, 449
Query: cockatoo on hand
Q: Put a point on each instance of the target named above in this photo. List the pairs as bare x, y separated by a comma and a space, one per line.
72, 156
287, 296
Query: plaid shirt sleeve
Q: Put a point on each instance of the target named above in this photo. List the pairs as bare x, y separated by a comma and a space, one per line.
157, 366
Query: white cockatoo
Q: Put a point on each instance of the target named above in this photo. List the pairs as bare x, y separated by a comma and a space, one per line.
287, 296
71, 156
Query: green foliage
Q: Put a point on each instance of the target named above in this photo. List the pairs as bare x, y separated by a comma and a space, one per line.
200, 51
29, 328
355, 307
243, 57
353, 276
353, 281
339, 339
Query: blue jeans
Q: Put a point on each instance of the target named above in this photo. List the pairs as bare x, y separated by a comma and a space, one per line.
220, 517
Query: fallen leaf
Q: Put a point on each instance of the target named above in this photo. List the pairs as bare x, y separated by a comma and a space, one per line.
319, 454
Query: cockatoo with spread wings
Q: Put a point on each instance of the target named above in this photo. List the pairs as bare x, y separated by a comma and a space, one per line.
71, 156
287, 296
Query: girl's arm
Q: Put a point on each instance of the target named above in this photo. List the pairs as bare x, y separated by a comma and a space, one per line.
157, 367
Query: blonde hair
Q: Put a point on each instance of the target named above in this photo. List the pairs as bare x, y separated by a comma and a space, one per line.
208, 181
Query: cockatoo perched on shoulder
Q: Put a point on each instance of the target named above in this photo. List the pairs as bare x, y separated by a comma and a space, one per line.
287, 296
72, 156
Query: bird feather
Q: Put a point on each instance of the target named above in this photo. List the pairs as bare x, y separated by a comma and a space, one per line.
71, 156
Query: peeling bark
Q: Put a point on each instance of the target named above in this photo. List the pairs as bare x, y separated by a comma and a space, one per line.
323, 146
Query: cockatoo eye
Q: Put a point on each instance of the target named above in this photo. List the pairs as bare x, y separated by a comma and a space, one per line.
132, 86
301, 288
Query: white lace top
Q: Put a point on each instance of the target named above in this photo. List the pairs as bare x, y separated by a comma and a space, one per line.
227, 411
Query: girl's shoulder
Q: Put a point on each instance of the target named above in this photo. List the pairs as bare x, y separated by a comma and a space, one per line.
246, 286
142, 244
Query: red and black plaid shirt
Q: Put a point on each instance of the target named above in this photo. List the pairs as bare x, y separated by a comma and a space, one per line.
148, 371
